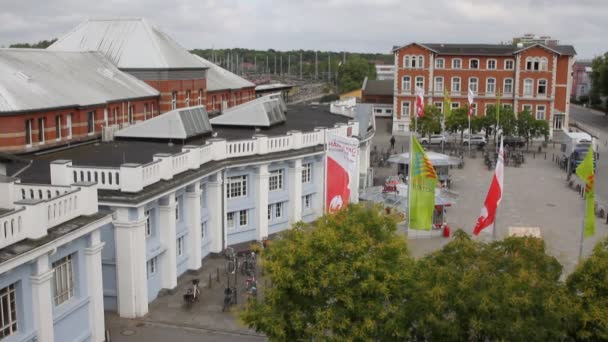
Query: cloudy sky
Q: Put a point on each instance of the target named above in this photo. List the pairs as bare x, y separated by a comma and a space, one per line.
351, 25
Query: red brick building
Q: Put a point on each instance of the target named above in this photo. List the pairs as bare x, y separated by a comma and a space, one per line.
535, 78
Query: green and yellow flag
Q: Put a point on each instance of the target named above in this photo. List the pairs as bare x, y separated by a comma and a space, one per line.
447, 104
586, 173
423, 181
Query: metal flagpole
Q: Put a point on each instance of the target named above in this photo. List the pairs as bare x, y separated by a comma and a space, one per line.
409, 185
470, 135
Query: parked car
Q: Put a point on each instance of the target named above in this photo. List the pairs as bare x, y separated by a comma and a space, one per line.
435, 139
474, 140
513, 141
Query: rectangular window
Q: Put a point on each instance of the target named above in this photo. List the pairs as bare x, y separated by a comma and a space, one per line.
180, 246
527, 108
307, 202
8, 307
91, 122
420, 82
173, 100
456, 63
455, 85
58, 127
306, 173
203, 230
542, 87
28, 131
148, 224
68, 125
528, 87
406, 84
151, 267
270, 206
540, 112
152, 110
439, 62
474, 84
275, 181
507, 106
236, 186
490, 85
278, 210
187, 98
439, 106
41, 125
63, 279
131, 114
230, 221
405, 108
509, 64
243, 218
439, 84
508, 86
474, 64
491, 64
474, 107
455, 105
177, 213
145, 111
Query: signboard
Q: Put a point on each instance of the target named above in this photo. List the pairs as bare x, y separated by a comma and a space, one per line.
342, 156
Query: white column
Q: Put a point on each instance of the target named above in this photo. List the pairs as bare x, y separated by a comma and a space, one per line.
216, 213
131, 277
192, 201
354, 193
295, 190
262, 201
168, 263
42, 299
95, 283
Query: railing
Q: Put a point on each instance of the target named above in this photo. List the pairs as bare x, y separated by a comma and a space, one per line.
11, 228
62, 208
38, 191
134, 177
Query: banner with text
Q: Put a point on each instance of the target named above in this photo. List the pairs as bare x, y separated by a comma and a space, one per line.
342, 156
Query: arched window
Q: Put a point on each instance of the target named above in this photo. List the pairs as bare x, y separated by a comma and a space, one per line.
22, 193
31, 193
421, 61
48, 194
543, 64
406, 61
40, 194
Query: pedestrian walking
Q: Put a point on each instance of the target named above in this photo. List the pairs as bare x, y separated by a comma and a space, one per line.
392, 142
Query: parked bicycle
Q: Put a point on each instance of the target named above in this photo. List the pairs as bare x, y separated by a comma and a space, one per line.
192, 293
229, 298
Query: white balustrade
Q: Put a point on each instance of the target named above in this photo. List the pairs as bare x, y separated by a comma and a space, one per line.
11, 227
63, 208
240, 148
37, 191
151, 173
106, 177
278, 144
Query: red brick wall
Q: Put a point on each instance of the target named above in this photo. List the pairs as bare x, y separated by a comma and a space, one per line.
233, 98
166, 89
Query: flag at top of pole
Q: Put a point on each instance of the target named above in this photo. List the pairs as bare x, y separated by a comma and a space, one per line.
471, 98
419, 102
490, 206
586, 173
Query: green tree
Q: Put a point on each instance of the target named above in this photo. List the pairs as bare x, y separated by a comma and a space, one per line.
43, 44
458, 121
353, 72
343, 279
502, 291
430, 122
599, 77
588, 285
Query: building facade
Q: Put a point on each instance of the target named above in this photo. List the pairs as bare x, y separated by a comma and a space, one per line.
581, 80
536, 78
385, 71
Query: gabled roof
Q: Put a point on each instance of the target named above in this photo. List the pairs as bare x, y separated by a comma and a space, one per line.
130, 43
487, 49
182, 123
219, 78
34, 79
262, 112
378, 87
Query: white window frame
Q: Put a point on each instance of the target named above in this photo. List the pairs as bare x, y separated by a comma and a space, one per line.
439, 85
406, 84
453, 85
278, 210
200, 97
63, 280
91, 118
243, 218
439, 106
488, 83
439, 63
10, 323
530, 82
409, 108
454, 105
527, 107
471, 63
406, 61
152, 110
173, 100
419, 82
29, 128
476, 90
488, 64
307, 173
538, 93
459, 60
230, 220
180, 246
276, 180
203, 230
236, 186
504, 86
507, 62
538, 111
41, 130
148, 224
307, 201
544, 64
187, 98
420, 62
177, 210
151, 267
68, 125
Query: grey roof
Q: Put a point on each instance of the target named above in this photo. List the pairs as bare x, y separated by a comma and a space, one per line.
264, 111
181, 123
488, 49
130, 43
41, 79
379, 87
219, 78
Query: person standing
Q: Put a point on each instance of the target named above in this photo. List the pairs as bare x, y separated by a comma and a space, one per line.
392, 142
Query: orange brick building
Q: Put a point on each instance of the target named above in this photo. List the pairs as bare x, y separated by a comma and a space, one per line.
536, 78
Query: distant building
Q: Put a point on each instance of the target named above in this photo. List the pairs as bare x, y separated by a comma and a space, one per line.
379, 93
357, 93
271, 88
536, 78
530, 39
581, 80
385, 72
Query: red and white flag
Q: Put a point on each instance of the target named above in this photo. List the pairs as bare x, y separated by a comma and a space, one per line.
488, 212
471, 98
419, 102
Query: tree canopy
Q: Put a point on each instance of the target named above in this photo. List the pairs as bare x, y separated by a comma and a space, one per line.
353, 72
599, 75
43, 44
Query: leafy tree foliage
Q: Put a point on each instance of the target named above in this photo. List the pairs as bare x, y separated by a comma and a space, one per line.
588, 286
342, 279
430, 122
43, 44
353, 72
599, 75
458, 121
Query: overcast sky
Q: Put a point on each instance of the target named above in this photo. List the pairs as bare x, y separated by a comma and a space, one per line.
351, 25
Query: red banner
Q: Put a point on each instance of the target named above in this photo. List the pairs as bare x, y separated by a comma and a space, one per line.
342, 154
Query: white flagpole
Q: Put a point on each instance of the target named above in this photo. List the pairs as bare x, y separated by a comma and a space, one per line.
470, 135
502, 186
